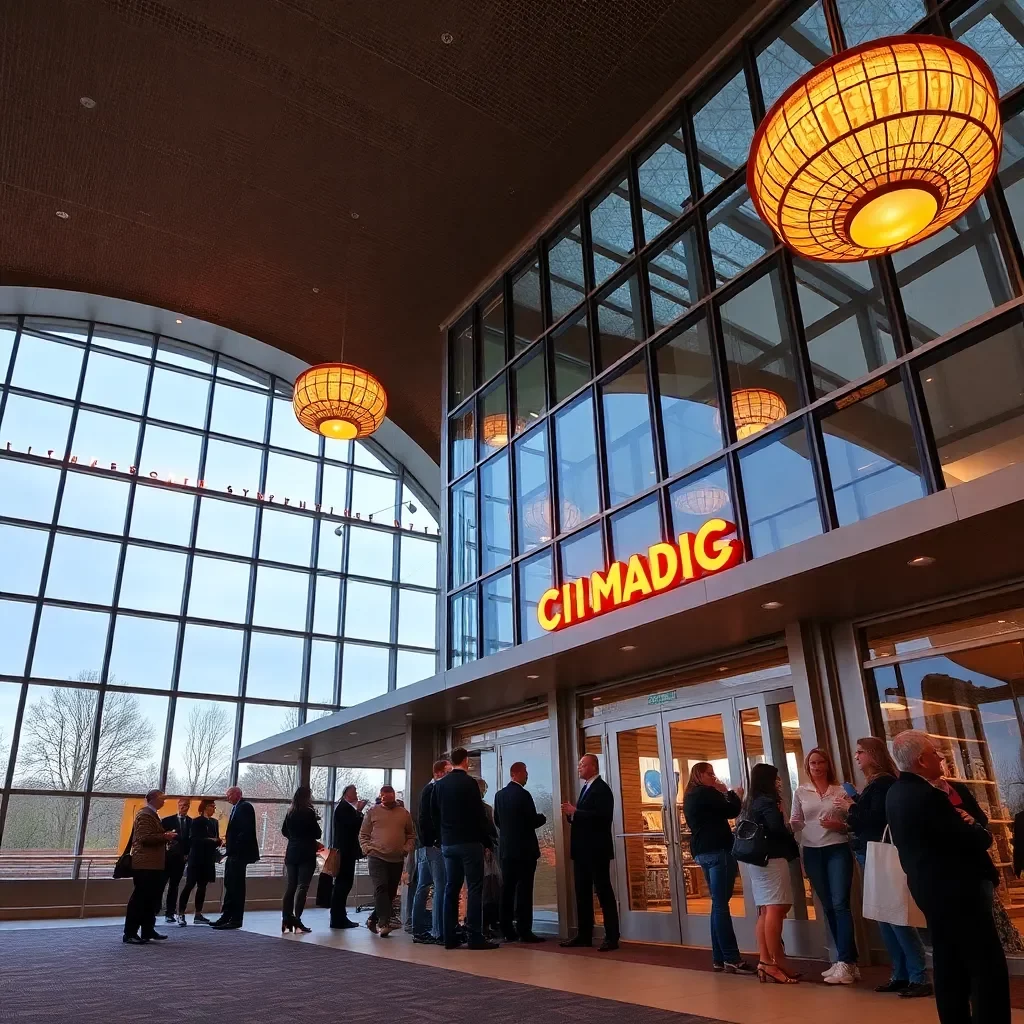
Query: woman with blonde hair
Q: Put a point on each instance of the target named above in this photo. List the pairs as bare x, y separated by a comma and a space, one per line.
867, 822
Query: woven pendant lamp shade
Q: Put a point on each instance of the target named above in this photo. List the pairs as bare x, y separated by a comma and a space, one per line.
537, 518
701, 500
339, 400
877, 148
494, 429
753, 409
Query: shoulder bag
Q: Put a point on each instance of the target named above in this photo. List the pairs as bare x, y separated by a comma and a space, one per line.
750, 845
123, 864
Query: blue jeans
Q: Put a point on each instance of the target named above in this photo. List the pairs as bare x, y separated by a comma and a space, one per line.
720, 869
464, 862
904, 946
830, 870
430, 871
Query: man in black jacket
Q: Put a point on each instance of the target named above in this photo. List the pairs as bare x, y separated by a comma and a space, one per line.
177, 854
590, 846
241, 848
943, 850
458, 818
348, 820
517, 821
429, 866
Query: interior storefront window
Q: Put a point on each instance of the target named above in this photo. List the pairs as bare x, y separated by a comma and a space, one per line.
864, 20
803, 44
536, 575
664, 177
697, 497
674, 277
636, 528
533, 496
577, 463
571, 344
619, 323
496, 502
627, 432
583, 553
494, 431
565, 271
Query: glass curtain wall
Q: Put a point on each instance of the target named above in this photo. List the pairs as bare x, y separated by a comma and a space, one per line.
184, 570
666, 360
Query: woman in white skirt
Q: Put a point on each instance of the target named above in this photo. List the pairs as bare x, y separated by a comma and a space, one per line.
771, 886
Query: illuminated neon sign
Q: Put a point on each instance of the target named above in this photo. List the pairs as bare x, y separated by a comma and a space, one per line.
665, 566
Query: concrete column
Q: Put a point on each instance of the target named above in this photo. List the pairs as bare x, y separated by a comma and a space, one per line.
421, 750
563, 737
305, 769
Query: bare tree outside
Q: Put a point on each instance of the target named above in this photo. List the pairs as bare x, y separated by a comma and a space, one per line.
207, 752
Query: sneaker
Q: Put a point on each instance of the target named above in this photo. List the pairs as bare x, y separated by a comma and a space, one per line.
917, 989
425, 940
182, 923
842, 975
830, 971
739, 967
199, 919
169, 918
717, 966
893, 985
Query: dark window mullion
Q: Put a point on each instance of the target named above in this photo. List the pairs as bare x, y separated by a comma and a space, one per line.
822, 477
9, 376
834, 24
920, 425
1006, 234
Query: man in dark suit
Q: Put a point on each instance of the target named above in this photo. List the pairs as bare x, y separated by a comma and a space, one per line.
459, 819
429, 866
590, 846
348, 820
241, 849
943, 850
517, 821
177, 855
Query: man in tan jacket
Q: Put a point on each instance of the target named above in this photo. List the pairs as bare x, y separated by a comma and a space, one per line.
149, 853
386, 836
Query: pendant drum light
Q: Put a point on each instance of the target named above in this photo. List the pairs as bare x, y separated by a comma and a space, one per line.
754, 409
537, 518
339, 400
877, 148
701, 500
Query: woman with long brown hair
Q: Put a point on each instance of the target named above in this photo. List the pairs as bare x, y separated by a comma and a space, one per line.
708, 806
867, 821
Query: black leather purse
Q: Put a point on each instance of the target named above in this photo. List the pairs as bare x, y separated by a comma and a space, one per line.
750, 845
123, 864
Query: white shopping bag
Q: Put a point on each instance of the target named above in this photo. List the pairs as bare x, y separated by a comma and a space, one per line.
886, 894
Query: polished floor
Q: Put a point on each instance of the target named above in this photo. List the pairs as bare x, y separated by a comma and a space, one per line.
699, 993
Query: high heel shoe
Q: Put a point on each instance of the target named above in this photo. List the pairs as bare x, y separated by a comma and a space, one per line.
298, 926
286, 925
764, 975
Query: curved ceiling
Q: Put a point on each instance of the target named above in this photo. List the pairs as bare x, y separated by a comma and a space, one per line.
264, 164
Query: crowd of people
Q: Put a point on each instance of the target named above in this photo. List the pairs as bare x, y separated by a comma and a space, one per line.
458, 840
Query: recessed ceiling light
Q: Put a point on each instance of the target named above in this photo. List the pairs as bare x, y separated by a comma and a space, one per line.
316, 291
463, 697
928, 380
408, 714
447, 38
597, 700
353, 733
177, 320
921, 560
723, 668
88, 102
533, 675
628, 647
354, 215
63, 215
771, 606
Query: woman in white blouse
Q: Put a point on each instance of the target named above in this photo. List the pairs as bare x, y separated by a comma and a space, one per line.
819, 822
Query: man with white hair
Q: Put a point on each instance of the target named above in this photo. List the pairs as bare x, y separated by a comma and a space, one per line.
943, 850
241, 848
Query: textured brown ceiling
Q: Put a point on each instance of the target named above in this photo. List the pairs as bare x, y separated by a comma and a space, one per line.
232, 140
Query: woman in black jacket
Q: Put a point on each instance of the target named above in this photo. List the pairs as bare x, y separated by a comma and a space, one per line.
708, 806
201, 867
302, 830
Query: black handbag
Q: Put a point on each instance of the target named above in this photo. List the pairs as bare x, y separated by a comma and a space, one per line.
750, 845
123, 864
324, 890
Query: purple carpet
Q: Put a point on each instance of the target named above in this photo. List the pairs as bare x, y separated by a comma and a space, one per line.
88, 976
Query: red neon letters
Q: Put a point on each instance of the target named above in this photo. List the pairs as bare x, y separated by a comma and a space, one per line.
665, 566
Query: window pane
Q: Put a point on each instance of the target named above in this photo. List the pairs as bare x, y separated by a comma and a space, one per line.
526, 315
287, 432
219, 589
179, 398
492, 336
494, 431
461, 438
420, 517
674, 279
373, 496
462, 623
565, 271
226, 526
364, 673
535, 576
636, 528
21, 559
864, 20
90, 502
8, 331
496, 594
238, 412
995, 30
872, 457
952, 277
460, 348
15, 625
47, 366
975, 401
242, 373
1011, 169
31, 423
82, 569
111, 440
131, 745
335, 488
759, 355
26, 491
463, 532
143, 652
664, 183
286, 537
323, 670
163, 515
417, 615
611, 230
496, 498
294, 479
260, 721
43, 824
371, 553
583, 553
738, 237
572, 357
529, 394
627, 434
619, 324
801, 45
365, 454
170, 453
70, 644
326, 604
367, 611
845, 321
577, 470
153, 580
689, 399
201, 742
414, 666
419, 562
119, 340
724, 128
275, 666
778, 484
179, 353
232, 465
115, 383
533, 498
697, 498
210, 659
10, 695
281, 598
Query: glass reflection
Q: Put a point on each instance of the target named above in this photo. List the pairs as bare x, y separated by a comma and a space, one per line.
664, 176
463, 532
577, 465
536, 574
696, 498
526, 307
636, 528
496, 596
582, 554
462, 378
723, 126
529, 393
492, 336
461, 440
462, 623
565, 271
737, 235
611, 230
800, 46
571, 344
533, 498
494, 428
628, 442
675, 279
496, 513
619, 323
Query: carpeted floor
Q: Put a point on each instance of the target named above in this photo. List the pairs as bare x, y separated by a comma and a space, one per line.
88, 976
